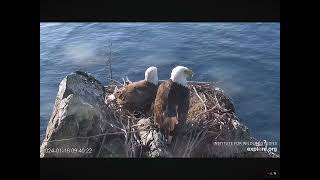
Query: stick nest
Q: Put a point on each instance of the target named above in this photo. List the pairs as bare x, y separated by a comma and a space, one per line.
211, 118
209, 107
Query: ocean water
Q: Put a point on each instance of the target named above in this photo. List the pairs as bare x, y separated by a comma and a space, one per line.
243, 57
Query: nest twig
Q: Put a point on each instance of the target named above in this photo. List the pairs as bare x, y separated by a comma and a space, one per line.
204, 104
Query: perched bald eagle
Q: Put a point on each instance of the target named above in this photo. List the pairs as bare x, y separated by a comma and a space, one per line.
138, 96
172, 101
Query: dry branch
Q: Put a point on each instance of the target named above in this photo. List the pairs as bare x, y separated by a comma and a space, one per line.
204, 104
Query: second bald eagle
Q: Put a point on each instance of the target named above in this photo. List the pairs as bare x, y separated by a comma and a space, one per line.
138, 96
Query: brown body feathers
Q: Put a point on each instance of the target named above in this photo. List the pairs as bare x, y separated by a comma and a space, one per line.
137, 96
171, 105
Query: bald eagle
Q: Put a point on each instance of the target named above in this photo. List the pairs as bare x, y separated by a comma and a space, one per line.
138, 96
172, 101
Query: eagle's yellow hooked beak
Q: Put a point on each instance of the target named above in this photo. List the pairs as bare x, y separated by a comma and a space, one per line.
189, 73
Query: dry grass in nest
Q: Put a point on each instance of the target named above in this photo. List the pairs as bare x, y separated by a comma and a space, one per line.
209, 106
124, 120
211, 117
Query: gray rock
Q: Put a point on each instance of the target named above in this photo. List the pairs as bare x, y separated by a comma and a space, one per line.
152, 139
79, 112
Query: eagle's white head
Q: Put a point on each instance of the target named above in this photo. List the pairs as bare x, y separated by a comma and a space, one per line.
151, 75
179, 75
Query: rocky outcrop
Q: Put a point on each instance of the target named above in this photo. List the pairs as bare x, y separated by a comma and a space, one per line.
84, 125
152, 140
79, 112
